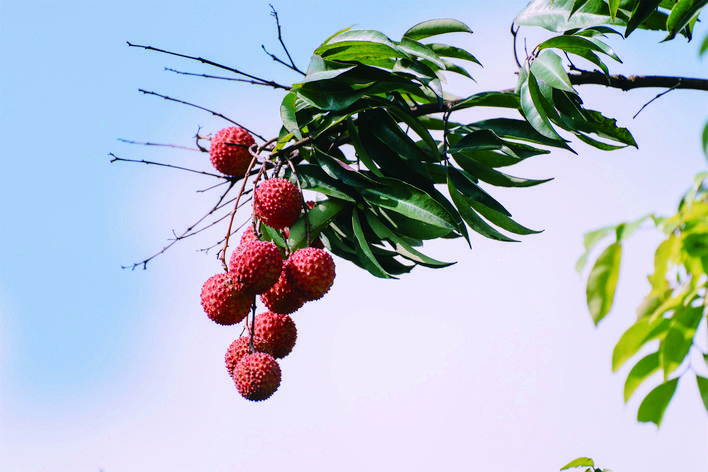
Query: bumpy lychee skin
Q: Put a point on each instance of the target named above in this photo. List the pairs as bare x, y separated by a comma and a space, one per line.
275, 334
248, 236
224, 300
258, 267
277, 202
229, 151
237, 351
310, 271
282, 298
257, 376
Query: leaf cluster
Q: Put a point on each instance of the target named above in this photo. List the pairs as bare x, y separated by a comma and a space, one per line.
670, 314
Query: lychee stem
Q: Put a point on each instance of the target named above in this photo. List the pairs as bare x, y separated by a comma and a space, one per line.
251, 346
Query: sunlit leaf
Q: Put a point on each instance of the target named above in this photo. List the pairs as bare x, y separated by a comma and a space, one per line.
549, 68
681, 15
435, 27
579, 462
703, 389
603, 281
641, 332
641, 371
533, 108
654, 404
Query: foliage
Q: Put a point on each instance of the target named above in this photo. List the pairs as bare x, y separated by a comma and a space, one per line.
583, 462
667, 320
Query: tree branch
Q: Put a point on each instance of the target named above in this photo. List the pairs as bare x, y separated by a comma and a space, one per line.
585, 77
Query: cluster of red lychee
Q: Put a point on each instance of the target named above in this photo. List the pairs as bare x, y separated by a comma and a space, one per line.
283, 281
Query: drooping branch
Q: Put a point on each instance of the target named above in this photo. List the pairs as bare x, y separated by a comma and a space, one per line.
585, 77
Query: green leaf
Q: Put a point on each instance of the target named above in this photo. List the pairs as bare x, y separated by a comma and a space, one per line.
678, 340
471, 190
704, 46
579, 462
474, 221
703, 389
572, 43
287, 114
590, 57
554, 15
410, 202
577, 5
319, 217
363, 250
341, 171
654, 405
503, 221
414, 48
614, 6
534, 110
492, 176
489, 99
642, 10
642, 370
517, 129
705, 137
641, 332
603, 281
445, 50
435, 27
681, 15
312, 177
549, 68
402, 246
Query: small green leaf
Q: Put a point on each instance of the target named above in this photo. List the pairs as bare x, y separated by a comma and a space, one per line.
642, 370
517, 129
572, 43
548, 67
654, 404
614, 6
704, 46
579, 462
435, 27
474, 221
489, 99
288, 115
363, 250
533, 107
642, 11
641, 332
312, 177
414, 48
681, 15
703, 389
445, 50
705, 137
409, 202
319, 217
501, 220
471, 190
603, 281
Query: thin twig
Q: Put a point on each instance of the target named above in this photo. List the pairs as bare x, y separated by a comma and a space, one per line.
215, 113
292, 65
233, 79
212, 63
657, 97
143, 143
513, 34
115, 158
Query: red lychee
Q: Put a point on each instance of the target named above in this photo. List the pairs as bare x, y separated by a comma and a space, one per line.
237, 351
310, 271
277, 202
229, 151
282, 298
258, 266
224, 300
248, 235
275, 334
257, 376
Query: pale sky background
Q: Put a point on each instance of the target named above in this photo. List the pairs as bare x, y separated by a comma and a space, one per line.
492, 364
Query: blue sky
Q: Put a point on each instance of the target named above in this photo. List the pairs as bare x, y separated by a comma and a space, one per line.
492, 362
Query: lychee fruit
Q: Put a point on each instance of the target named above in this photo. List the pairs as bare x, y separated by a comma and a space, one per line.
248, 235
275, 333
258, 266
257, 376
224, 300
229, 151
277, 202
310, 271
237, 351
282, 298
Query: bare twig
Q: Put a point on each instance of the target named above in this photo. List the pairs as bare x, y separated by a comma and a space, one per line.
514, 33
233, 79
655, 98
115, 158
174, 146
291, 65
215, 113
212, 63
583, 77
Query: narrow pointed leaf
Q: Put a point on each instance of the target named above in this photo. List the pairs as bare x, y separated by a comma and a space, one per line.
473, 219
533, 108
641, 371
549, 68
363, 250
642, 11
703, 389
319, 217
603, 281
579, 462
503, 221
654, 404
445, 50
681, 15
641, 332
435, 27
